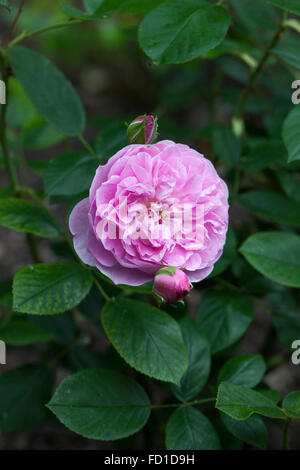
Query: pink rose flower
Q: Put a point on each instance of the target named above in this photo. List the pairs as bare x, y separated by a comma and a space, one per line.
171, 284
131, 225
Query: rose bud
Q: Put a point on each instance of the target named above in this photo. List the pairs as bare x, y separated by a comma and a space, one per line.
172, 284
143, 130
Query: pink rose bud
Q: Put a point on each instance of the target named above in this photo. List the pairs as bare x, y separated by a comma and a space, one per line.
172, 284
143, 130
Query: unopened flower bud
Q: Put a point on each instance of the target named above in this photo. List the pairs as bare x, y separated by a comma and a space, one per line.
172, 284
143, 130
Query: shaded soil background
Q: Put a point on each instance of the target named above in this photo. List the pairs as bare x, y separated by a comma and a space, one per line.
114, 79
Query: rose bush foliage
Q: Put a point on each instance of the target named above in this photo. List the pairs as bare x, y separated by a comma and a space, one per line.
222, 76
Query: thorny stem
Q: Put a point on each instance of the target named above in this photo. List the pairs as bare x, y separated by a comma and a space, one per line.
9, 164
101, 290
36, 32
3, 137
13, 27
256, 71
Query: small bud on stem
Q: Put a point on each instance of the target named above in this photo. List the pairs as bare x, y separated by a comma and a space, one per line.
172, 284
143, 130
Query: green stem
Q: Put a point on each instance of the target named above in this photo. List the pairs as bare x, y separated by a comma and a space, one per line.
28, 192
7, 157
36, 32
86, 145
13, 27
286, 438
101, 290
256, 70
3, 137
33, 248
189, 403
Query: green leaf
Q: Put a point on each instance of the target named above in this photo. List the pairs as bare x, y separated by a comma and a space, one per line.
229, 254
291, 405
101, 404
95, 9
39, 134
273, 395
241, 402
189, 429
20, 111
272, 206
49, 90
103, 6
99, 7
92, 5
23, 393
290, 184
291, 134
5, 4
46, 289
275, 255
177, 32
227, 146
252, 280
20, 332
256, 15
149, 339
292, 6
252, 430
38, 166
228, 441
197, 373
224, 316
247, 370
70, 174
287, 49
26, 216
74, 12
